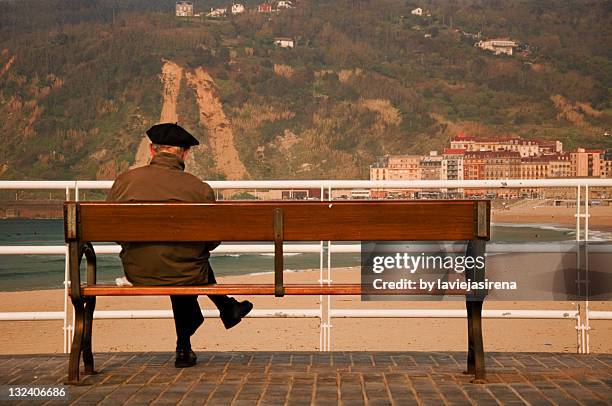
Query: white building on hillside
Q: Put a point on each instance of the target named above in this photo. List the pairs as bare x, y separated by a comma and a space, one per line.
238, 8
284, 42
417, 12
218, 12
184, 9
498, 46
284, 4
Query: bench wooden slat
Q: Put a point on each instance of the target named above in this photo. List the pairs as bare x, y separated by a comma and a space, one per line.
303, 221
243, 289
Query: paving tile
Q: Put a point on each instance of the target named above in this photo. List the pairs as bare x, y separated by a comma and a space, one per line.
315, 378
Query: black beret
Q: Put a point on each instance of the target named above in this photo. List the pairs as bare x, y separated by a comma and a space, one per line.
171, 134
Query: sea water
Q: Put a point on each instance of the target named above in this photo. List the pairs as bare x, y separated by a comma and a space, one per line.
31, 272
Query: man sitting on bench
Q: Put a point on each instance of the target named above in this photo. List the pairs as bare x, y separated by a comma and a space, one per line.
164, 179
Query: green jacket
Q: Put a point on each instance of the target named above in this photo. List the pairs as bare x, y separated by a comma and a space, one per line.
163, 180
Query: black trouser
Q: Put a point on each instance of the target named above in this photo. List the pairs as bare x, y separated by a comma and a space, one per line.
188, 315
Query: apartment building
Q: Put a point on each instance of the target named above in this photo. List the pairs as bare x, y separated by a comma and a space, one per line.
478, 158
404, 167
535, 167
559, 166
502, 165
474, 165
586, 162
607, 164
379, 170
452, 164
525, 148
430, 167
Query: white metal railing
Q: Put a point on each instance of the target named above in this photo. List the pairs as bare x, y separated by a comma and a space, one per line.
334, 184
325, 313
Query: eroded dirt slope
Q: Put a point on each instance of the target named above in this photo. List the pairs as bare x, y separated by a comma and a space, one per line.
221, 135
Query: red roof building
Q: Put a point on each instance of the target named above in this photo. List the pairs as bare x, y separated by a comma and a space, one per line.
264, 8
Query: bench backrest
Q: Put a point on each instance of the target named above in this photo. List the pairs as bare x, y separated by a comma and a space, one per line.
267, 221
299, 221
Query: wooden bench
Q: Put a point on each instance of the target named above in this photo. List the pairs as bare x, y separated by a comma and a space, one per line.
88, 222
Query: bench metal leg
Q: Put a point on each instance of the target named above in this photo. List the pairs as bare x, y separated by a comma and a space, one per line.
77, 343
477, 345
88, 360
473, 304
470, 352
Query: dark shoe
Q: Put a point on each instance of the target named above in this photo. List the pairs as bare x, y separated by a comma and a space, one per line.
185, 359
233, 313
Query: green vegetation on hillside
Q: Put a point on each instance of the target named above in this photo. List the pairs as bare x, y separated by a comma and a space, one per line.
79, 81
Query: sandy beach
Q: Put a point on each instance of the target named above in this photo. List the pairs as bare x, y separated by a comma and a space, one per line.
600, 216
25, 337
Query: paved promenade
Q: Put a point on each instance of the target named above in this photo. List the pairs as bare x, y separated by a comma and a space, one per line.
305, 378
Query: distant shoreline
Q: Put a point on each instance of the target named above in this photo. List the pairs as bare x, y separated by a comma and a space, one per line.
600, 217
31, 209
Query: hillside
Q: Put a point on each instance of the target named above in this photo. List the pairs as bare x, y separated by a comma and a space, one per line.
81, 80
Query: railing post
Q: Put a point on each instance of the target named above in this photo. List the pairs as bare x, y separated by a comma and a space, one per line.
76, 199
587, 327
67, 327
328, 280
578, 213
582, 266
321, 328
578, 262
